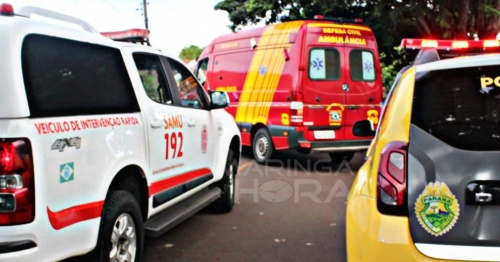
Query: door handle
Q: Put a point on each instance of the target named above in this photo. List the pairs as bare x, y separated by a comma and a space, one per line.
483, 193
155, 123
483, 197
191, 123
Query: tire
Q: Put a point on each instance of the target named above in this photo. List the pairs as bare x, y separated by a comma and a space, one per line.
262, 146
338, 157
120, 207
227, 185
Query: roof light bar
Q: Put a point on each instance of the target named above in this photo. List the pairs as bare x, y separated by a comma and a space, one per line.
127, 34
411, 43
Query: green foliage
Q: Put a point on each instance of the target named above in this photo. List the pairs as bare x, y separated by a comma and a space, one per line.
190, 53
390, 20
391, 69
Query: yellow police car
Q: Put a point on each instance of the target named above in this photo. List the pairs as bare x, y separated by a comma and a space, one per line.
430, 187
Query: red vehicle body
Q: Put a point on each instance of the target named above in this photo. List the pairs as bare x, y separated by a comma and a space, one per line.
298, 85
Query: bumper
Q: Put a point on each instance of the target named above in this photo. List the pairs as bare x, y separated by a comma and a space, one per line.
295, 140
16, 246
39, 242
371, 236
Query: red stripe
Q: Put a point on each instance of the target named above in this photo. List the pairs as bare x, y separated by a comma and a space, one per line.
159, 186
76, 214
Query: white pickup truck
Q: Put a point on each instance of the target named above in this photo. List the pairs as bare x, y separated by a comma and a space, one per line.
100, 146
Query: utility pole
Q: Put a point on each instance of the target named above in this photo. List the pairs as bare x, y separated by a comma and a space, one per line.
145, 13
145, 4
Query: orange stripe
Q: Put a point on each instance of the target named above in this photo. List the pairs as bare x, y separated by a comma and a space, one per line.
270, 96
261, 93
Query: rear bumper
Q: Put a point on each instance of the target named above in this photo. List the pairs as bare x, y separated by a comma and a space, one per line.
371, 236
287, 138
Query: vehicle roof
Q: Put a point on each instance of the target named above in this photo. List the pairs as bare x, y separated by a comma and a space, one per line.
60, 28
460, 62
252, 32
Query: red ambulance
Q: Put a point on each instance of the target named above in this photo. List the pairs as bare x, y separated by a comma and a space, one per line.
298, 85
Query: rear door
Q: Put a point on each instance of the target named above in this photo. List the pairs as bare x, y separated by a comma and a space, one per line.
322, 84
363, 78
453, 164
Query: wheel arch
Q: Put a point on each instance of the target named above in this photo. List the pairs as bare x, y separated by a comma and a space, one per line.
254, 130
133, 180
235, 145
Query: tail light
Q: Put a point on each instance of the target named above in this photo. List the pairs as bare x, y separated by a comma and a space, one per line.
392, 176
297, 110
17, 202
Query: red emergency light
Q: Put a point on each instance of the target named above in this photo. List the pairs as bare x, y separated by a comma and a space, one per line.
127, 34
338, 19
6, 9
411, 43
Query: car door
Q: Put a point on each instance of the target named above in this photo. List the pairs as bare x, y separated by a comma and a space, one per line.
323, 84
202, 132
169, 156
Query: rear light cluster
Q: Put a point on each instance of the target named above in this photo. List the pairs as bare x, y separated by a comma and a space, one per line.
297, 110
17, 203
409, 43
391, 182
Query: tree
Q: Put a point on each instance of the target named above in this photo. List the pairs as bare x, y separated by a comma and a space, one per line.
190, 53
446, 19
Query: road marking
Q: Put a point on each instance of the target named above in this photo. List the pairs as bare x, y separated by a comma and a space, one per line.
243, 166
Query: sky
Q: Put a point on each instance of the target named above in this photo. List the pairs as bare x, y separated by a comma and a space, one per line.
174, 24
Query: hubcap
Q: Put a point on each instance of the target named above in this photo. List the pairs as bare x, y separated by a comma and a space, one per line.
261, 147
123, 240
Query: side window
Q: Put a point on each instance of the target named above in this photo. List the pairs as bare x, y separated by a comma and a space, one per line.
64, 77
324, 64
153, 79
201, 70
361, 65
191, 93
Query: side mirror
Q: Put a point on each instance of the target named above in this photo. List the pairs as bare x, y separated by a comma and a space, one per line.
218, 99
364, 128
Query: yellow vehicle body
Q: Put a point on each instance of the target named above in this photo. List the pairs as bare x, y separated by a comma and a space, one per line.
370, 235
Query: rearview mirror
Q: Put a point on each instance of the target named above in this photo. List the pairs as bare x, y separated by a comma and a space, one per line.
364, 128
218, 99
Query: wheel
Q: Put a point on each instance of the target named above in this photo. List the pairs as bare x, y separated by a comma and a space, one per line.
338, 157
263, 148
227, 185
121, 234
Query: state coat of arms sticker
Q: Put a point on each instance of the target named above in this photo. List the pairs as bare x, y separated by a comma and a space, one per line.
437, 209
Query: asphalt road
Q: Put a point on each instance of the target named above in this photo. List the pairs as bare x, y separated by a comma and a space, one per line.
293, 210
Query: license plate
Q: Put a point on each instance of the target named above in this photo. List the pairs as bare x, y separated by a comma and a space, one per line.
324, 134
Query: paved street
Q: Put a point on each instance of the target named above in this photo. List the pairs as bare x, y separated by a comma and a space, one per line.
291, 211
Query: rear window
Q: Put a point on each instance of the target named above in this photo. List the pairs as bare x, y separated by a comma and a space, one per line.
324, 64
64, 77
361, 65
460, 107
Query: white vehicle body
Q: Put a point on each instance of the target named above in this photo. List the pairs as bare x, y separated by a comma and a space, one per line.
79, 158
